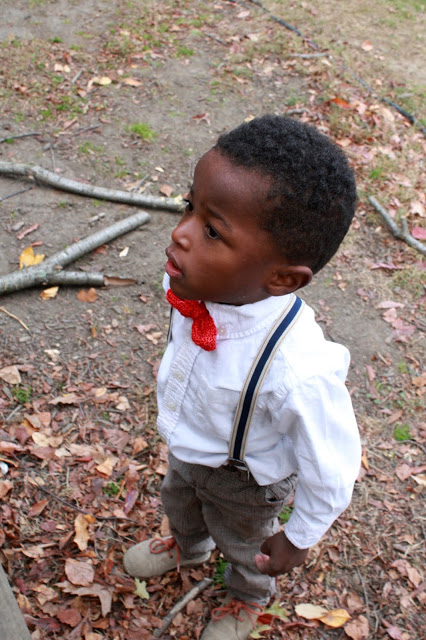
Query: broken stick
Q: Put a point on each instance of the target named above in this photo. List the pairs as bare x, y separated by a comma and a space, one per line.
195, 591
400, 233
49, 272
43, 176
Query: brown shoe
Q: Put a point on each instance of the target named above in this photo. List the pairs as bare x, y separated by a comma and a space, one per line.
157, 556
233, 620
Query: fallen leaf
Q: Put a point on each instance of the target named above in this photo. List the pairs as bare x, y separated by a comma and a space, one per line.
5, 487
37, 508
358, 629
132, 82
335, 618
71, 617
141, 589
103, 81
340, 102
82, 536
10, 374
28, 258
87, 295
310, 611
166, 190
49, 293
106, 467
67, 398
79, 572
403, 471
103, 593
419, 233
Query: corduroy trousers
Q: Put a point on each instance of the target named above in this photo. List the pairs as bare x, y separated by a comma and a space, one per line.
222, 508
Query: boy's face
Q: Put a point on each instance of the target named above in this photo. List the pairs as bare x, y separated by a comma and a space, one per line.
218, 252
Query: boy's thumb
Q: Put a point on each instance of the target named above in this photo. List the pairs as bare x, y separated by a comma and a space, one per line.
262, 562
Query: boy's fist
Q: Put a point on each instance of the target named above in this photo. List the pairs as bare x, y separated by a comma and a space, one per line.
279, 555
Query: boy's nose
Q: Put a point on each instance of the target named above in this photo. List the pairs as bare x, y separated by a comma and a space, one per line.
181, 234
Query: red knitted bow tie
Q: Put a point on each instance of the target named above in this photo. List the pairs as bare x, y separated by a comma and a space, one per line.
203, 327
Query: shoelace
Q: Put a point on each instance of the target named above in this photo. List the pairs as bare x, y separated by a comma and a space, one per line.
165, 545
234, 607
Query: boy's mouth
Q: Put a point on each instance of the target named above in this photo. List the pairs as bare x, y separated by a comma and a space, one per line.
172, 268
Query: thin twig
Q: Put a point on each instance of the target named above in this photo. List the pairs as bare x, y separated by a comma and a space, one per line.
195, 591
308, 56
398, 232
366, 598
12, 195
15, 318
21, 135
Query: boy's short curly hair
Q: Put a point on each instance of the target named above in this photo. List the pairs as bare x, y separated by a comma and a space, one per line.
312, 197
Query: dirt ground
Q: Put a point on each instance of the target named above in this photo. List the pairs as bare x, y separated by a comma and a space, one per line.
128, 95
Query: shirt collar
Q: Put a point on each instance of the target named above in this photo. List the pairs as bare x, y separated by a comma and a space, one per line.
238, 321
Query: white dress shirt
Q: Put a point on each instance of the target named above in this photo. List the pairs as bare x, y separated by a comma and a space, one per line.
303, 420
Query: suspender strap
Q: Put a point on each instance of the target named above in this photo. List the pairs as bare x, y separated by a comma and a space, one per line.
255, 378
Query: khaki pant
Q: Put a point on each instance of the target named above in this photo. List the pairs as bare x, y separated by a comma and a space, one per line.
210, 507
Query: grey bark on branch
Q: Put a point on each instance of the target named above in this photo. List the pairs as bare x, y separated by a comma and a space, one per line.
44, 176
49, 272
400, 233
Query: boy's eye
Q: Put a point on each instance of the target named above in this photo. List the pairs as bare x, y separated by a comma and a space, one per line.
211, 232
188, 204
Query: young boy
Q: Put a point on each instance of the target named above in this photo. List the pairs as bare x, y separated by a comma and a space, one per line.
268, 208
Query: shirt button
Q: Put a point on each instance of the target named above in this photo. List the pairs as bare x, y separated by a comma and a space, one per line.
221, 331
179, 376
171, 406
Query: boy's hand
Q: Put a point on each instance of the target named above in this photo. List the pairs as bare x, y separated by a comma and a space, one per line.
279, 555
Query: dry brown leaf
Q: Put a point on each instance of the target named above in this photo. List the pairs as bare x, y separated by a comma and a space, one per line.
87, 295
10, 374
310, 611
82, 536
103, 593
37, 508
335, 618
48, 294
166, 190
5, 487
79, 572
132, 82
71, 617
107, 466
358, 629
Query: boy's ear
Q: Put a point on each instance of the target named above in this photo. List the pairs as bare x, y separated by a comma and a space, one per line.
287, 279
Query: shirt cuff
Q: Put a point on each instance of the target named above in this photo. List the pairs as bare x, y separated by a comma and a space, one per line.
299, 533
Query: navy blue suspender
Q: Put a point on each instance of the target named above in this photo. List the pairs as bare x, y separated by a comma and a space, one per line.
254, 380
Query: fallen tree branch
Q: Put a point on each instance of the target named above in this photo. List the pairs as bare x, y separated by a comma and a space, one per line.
193, 593
400, 233
48, 271
44, 176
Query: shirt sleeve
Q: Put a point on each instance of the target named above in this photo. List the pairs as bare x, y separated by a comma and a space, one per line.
327, 447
